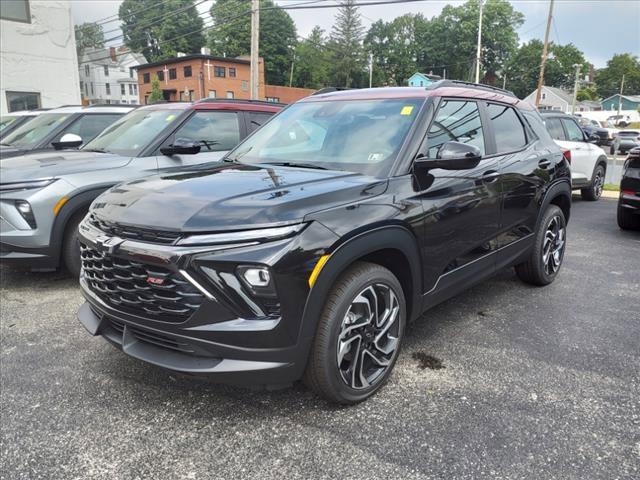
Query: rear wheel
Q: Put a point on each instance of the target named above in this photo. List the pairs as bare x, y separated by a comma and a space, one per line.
548, 252
71, 245
594, 192
627, 220
359, 335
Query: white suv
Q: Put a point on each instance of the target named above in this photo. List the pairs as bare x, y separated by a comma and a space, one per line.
588, 161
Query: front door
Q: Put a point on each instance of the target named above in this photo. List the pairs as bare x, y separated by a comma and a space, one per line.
217, 131
461, 208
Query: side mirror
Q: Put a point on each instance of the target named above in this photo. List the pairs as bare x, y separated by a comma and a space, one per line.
452, 156
68, 140
593, 138
182, 146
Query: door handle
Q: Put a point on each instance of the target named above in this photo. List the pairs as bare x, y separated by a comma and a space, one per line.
544, 163
490, 176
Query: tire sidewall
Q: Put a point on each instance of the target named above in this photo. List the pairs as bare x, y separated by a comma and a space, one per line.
551, 212
71, 246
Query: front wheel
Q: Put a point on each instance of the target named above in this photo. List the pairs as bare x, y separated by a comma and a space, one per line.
71, 245
545, 260
594, 192
359, 335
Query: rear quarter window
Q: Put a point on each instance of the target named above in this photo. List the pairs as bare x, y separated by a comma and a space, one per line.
507, 127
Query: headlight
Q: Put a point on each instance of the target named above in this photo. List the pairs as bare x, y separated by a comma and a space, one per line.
25, 210
26, 185
242, 236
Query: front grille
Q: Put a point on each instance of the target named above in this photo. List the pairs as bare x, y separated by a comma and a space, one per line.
126, 286
134, 233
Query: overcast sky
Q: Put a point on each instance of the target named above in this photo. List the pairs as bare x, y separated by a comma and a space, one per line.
600, 28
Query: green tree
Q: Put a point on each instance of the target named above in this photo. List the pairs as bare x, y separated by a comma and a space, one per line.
587, 93
347, 56
608, 79
156, 92
231, 36
312, 65
160, 30
395, 48
449, 40
88, 35
523, 68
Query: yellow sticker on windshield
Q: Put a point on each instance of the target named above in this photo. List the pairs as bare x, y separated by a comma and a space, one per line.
169, 117
406, 110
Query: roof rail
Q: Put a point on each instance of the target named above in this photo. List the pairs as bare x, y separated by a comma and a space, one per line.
461, 83
237, 100
331, 89
99, 105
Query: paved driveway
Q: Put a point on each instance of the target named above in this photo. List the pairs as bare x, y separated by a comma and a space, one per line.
537, 383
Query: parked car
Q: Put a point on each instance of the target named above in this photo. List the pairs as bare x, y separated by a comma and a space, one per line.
308, 249
592, 128
629, 200
625, 141
58, 128
621, 121
588, 161
11, 121
44, 196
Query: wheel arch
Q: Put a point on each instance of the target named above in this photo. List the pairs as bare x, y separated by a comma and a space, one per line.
558, 194
393, 247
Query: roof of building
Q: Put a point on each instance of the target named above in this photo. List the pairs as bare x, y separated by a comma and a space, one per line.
559, 92
631, 98
194, 56
102, 56
430, 76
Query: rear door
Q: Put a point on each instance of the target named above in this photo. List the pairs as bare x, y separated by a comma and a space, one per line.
217, 131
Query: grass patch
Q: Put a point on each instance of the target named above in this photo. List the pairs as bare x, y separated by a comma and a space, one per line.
634, 125
611, 187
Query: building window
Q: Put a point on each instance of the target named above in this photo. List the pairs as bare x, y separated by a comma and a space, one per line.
219, 72
108, 102
160, 75
187, 71
146, 78
146, 99
22, 101
131, 89
212, 94
86, 89
135, 89
131, 73
232, 72
543, 96
186, 98
108, 88
244, 85
122, 89
91, 88
15, 10
229, 94
273, 99
106, 70
86, 70
173, 74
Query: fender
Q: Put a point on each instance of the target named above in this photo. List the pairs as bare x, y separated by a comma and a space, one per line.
563, 188
393, 236
79, 201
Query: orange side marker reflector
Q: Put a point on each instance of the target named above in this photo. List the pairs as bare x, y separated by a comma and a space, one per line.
316, 270
59, 205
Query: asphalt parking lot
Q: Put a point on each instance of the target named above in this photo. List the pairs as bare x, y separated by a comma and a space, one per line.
537, 383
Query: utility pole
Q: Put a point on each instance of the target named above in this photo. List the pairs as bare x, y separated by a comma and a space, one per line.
577, 66
620, 99
293, 62
479, 43
255, 48
544, 54
370, 70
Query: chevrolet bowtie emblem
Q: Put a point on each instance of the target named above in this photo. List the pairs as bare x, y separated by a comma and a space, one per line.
108, 244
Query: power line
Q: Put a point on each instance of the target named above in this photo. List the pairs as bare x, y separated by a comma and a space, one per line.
116, 17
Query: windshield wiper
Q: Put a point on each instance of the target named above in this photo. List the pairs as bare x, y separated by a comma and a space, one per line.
5, 144
97, 150
299, 165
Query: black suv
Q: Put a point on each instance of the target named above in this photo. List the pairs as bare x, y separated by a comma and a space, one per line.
304, 253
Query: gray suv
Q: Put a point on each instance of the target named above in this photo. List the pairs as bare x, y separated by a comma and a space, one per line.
44, 196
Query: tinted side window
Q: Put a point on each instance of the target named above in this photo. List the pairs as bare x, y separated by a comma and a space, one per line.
215, 131
456, 120
574, 132
89, 126
256, 119
554, 128
507, 127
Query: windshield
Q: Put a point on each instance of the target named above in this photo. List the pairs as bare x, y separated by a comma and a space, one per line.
362, 136
34, 131
6, 121
130, 135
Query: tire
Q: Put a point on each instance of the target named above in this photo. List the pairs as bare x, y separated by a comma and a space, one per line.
612, 150
543, 266
330, 370
628, 220
71, 245
594, 191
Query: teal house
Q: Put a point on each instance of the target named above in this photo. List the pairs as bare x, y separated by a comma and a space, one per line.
629, 102
422, 79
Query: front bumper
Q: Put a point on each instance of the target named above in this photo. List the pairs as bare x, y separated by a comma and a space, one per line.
220, 338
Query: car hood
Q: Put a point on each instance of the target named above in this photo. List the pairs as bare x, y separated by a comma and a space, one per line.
57, 163
231, 197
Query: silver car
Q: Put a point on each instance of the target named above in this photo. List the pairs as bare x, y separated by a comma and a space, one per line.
44, 196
